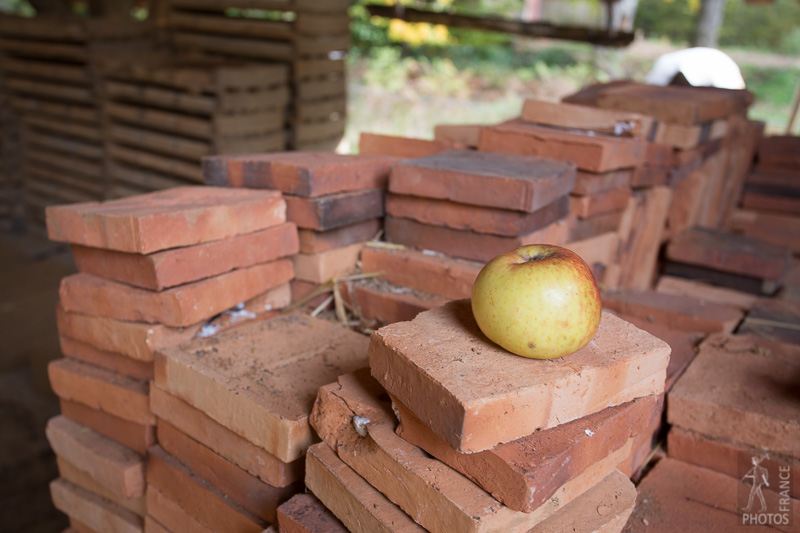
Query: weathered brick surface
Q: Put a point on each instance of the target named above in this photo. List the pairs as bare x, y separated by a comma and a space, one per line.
599, 252
473, 411
324, 266
468, 244
592, 182
266, 396
464, 134
729, 458
759, 200
581, 117
196, 496
485, 179
728, 252
704, 291
385, 303
474, 218
774, 228
740, 389
182, 216
151, 525
174, 517
431, 273
689, 137
312, 242
113, 466
98, 388
121, 364
586, 228
595, 204
401, 147
360, 507
137, 437
678, 312
334, 211
238, 485
676, 496
779, 151
177, 307
304, 513
559, 462
95, 512
178, 266
84, 480
649, 176
773, 319
223, 441
596, 153
434, 495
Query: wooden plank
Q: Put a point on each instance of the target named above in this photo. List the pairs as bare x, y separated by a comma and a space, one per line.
316, 24
45, 50
51, 90
146, 180
56, 191
271, 142
321, 45
158, 96
330, 109
160, 120
251, 77
318, 89
48, 70
70, 28
64, 144
310, 68
69, 112
43, 122
244, 124
221, 24
212, 5
240, 47
122, 190
236, 101
65, 162
610, 122
166, 165
316, 131
89, 186
159, 142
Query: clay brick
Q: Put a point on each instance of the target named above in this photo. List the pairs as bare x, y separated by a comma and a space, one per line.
641, 230
434, 495
728, 252
265, 397
591, 182
324, 266
648, 176
178, 266
726, 457
595, 204
678, 105
773, 319
678, 312
581, 117
401, 147
152, 526
591, 153
703, 291
660, 155
360, 507
121, 364
560, 462
468, 244
100, 389
740, 389
113, 466
598, 252
474, 218
137, 437
238, 485
333, 211
177, 307
485, 179
586, 228
84, 480
676, 496
757, 200
312, 242
95, 512
773, 228
172, 515
588, 95
475, 412
299, 173
196, 496
304, 513
303, 289
435, 274
643, 447
380, 301
779, 151
689, 137
181, 216
77, 527
464, 134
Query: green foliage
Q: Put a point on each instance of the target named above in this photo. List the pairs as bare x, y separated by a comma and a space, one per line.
673, 19
771, 86
760, 26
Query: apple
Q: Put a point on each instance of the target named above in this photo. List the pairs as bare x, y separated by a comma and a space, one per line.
539, 301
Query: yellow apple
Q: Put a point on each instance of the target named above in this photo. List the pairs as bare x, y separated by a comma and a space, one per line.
539, 301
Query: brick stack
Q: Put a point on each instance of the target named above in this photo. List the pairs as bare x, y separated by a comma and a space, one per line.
163, 114
337, 202
233, 424
10, 162
154, 270
49, 75
309, 36
733, 410
452, 212
487, 441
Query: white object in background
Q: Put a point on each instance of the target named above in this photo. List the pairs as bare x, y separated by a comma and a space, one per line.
702, 67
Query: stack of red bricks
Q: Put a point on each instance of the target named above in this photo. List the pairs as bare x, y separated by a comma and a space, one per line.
154, 270
336, 201
232, 416
486, 441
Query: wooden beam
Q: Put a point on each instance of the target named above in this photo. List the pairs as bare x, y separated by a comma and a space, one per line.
517, 27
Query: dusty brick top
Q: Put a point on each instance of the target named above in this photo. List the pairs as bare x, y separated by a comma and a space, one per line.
476, 395
260, 380
166, 219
